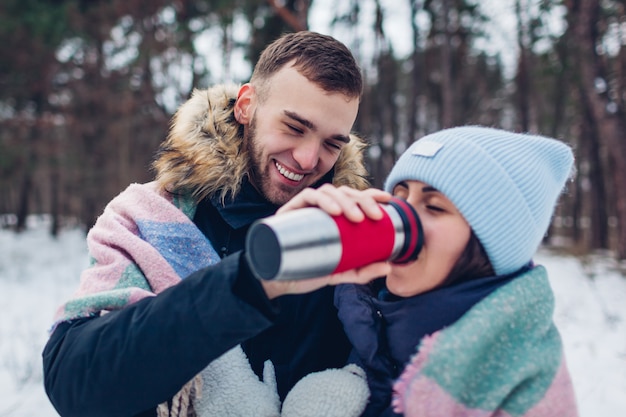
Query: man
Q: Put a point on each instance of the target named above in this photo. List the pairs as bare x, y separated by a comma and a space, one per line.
169, 290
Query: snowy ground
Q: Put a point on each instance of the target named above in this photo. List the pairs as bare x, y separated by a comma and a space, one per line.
37, 272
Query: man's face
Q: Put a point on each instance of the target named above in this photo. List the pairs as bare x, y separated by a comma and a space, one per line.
295, 135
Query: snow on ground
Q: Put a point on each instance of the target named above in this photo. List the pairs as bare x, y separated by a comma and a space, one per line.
37, 272
591, 316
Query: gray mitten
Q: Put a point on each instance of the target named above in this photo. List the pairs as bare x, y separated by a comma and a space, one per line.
231, 389
330, 393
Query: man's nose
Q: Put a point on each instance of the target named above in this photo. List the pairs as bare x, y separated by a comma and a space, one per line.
307, 154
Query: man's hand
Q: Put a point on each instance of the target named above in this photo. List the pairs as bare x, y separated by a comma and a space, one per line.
361, 275
353, 204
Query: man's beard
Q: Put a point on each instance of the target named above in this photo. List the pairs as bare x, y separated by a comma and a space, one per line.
277, 194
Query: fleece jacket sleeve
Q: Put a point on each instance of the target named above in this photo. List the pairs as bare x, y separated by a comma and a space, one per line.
129, 361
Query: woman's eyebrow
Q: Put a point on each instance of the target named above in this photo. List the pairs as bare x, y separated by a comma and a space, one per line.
429, 189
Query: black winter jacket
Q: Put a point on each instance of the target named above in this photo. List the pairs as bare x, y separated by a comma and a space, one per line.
127, 362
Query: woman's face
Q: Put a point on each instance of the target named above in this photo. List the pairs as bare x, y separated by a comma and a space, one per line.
446, 233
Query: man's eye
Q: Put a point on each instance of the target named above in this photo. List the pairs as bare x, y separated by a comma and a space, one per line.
295, 129
334, 145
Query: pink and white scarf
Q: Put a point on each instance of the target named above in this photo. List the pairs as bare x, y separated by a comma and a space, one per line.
143, 243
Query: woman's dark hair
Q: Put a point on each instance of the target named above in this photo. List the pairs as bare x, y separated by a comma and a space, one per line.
473, 263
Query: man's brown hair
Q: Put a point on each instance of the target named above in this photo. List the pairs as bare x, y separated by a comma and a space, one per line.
322, 59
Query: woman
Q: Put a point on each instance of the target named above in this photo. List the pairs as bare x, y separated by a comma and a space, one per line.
472, 316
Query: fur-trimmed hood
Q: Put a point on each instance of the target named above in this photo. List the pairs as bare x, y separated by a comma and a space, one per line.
203, 156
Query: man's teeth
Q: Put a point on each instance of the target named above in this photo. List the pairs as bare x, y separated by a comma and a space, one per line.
288, 174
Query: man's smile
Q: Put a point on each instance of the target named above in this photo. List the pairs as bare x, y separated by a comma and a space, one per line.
288, 174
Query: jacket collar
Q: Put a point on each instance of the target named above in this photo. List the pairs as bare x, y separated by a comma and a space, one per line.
249, 205
246, 207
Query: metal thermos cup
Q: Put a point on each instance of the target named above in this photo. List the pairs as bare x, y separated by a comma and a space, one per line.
308, 242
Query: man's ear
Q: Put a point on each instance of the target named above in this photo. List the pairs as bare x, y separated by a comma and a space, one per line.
244, 106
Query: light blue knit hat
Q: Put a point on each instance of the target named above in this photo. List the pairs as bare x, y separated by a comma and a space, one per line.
505, 184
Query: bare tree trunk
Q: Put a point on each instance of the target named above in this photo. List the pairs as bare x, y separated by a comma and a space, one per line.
561, 81
295, 20
26, 189
611, 126
413, 119
447, 89
55, 226
23, 209
597, 236
522, 79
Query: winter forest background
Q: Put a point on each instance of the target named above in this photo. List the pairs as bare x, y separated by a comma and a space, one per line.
87, 89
